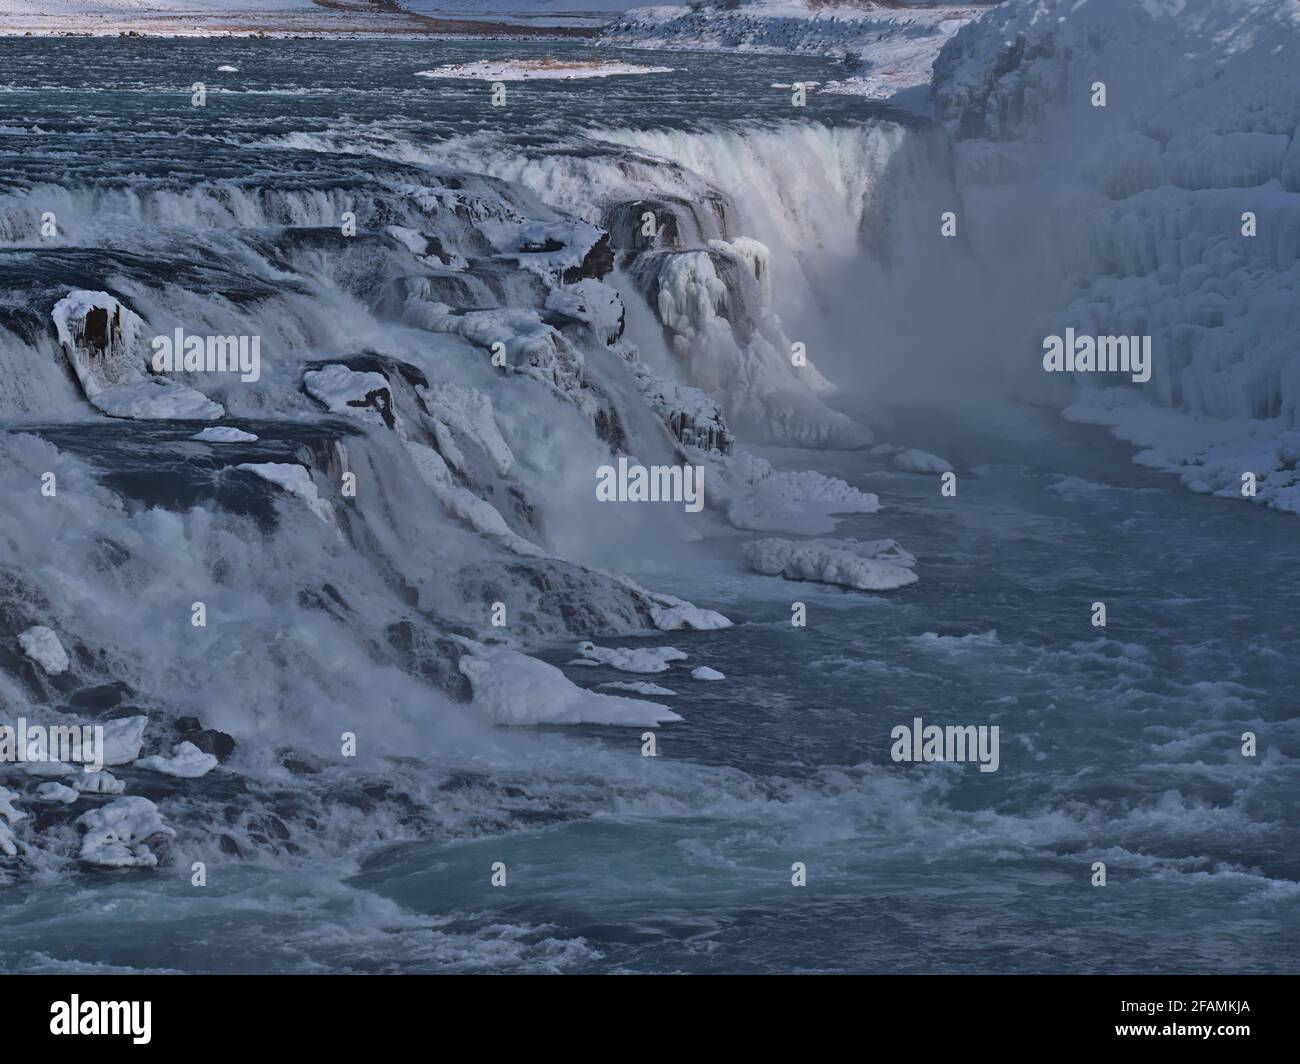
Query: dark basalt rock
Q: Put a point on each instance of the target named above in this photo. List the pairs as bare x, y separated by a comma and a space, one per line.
381, 401
598, 261
541, 247
97, 330
209, 740
99, 699
433, 657
299, 763
624, 223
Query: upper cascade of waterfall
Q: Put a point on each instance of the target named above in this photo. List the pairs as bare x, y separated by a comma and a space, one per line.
333, 399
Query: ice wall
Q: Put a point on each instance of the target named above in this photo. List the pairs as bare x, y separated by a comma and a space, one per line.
1171, 211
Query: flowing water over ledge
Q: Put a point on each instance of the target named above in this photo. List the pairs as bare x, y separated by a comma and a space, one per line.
1120, 745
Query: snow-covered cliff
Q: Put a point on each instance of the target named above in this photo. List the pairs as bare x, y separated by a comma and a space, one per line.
1169, 208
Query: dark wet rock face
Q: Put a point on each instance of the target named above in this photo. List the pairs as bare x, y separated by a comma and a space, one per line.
299, 763
96, 332
422, 650
99, 699
379, 400
209, 740
598, 261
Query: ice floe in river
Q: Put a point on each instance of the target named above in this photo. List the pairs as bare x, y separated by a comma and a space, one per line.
187, 761
914, 461
640, 687
534, 69
224, 434
639, 659
761, 499
872, 565
57, 792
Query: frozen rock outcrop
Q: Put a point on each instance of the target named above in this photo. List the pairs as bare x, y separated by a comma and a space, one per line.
104, 341
118, 835
874, 565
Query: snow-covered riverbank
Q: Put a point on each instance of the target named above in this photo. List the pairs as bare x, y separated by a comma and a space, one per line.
887, 48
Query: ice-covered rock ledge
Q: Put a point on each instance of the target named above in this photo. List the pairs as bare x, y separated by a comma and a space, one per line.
104, 341
873, 565
514, 689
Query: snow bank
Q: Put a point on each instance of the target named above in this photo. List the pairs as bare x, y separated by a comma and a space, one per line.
1210, 456
117, 834
759, 499
121, 737
874, 565
686, 616
641, 659
344, 391
640, 687
672, 614
187, 761
513, 688
593, 302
